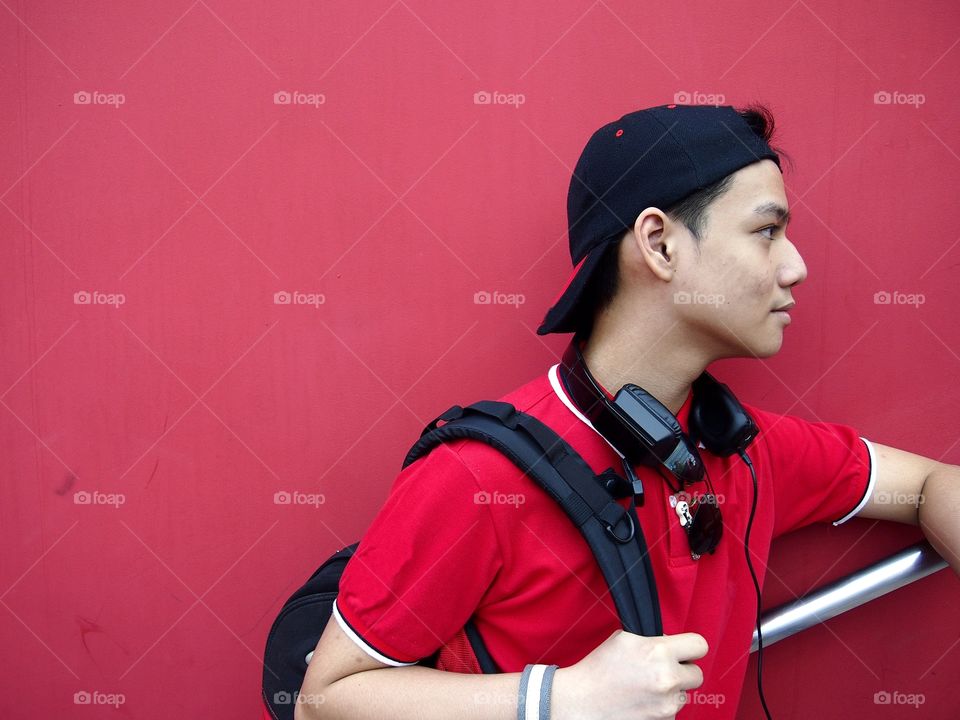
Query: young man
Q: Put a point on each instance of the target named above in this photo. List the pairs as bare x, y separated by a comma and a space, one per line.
678, 222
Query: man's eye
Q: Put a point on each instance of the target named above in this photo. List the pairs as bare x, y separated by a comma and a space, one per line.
769, 227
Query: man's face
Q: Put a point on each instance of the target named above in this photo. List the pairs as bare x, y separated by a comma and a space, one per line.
745, 269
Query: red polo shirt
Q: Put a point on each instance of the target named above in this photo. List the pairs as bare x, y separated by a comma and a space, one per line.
463, 533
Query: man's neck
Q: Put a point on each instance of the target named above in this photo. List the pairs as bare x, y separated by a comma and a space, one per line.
662, 365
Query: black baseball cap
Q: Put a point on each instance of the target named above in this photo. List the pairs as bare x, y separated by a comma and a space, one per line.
648, 158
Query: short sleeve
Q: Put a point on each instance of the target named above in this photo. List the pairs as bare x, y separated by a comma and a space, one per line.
424, 564
820, 471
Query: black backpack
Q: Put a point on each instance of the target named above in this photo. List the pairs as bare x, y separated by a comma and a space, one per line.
613, 533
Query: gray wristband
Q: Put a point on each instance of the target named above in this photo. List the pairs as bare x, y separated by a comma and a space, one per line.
545, 692
522, 699
534, 699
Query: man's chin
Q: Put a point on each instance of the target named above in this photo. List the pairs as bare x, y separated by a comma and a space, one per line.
770, 350
758, 351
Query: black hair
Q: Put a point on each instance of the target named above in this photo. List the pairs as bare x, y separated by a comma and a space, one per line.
691, 211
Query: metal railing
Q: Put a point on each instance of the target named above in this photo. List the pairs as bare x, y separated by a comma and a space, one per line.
903, 568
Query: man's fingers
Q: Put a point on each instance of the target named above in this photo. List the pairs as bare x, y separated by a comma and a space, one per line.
691, 676
687, 646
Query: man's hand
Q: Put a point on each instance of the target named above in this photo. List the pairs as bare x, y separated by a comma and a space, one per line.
630, 677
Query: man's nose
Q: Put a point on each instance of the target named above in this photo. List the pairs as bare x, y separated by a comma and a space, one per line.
792, 270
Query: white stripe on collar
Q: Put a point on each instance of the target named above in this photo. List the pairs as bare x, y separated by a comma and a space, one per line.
554, 376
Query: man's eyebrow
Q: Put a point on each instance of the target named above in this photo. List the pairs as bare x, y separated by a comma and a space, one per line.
773, 208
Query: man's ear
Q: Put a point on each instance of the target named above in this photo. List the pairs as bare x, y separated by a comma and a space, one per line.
653, 243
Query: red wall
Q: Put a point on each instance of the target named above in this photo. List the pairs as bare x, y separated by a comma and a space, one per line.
398, 198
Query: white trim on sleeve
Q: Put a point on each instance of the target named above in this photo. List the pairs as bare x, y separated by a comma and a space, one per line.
871, 482
345, 626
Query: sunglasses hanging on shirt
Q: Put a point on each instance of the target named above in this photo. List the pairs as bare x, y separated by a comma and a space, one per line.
699, 516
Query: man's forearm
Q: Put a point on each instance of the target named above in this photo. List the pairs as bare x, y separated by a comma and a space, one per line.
939, 513
413, 692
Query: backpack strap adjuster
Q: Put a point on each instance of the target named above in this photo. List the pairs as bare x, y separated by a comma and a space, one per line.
633, 530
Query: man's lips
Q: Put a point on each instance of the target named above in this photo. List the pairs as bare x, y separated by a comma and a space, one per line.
781, 312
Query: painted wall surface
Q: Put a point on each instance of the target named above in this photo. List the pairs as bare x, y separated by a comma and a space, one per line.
242, 246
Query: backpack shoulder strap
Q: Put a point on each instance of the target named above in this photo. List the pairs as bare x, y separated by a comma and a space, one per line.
612, 532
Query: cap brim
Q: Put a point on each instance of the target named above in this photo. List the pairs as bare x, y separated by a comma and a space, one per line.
567, 313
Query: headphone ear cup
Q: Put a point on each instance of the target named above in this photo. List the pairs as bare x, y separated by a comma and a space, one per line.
664, 438
718, 419
703, 428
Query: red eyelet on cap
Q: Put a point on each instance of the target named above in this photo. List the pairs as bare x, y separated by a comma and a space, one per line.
619, 132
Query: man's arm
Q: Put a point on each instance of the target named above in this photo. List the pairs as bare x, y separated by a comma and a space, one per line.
627, 676
920, 491
344, 682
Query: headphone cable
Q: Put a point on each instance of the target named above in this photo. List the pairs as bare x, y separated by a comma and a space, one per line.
756, 585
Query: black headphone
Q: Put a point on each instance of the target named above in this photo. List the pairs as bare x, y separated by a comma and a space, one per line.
645, 432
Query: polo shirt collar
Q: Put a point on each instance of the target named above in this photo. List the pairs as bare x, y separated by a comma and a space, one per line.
553, 374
